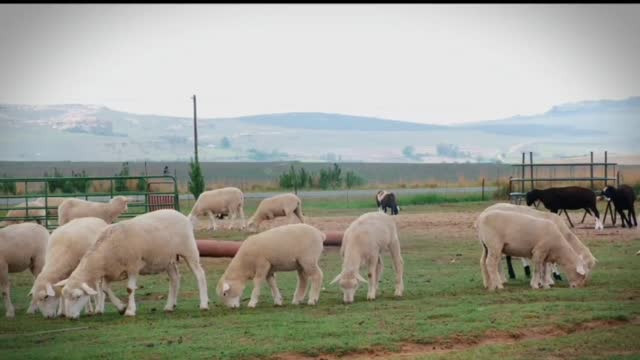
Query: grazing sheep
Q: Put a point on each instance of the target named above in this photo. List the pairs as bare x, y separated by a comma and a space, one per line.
22, 246
229, 200
147, 244
71, 209
20, 211
524, 236
623, 198
362, 244
577, 245
284, 248
567, 198
275, 206
67, 245
386, 200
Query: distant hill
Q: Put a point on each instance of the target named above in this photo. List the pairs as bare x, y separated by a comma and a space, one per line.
80, 132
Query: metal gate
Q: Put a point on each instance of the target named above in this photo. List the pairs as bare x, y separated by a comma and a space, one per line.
37, 199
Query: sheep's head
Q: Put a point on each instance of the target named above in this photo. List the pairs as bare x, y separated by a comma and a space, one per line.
609, 192
532, 196
577, 276
122, 201
75, 295
46, 299
230, 292
349, 283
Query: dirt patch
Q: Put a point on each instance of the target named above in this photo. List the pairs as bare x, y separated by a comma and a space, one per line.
461, 343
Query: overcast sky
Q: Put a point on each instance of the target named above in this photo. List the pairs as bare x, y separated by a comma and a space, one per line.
424, 63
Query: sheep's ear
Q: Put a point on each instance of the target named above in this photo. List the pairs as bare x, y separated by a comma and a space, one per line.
87, 289
580, 269
360, 278
225, 286
336, 279
61, 283
50, 291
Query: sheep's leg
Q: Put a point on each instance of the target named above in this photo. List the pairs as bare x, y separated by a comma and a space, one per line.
315, 273
88, 308
537, 259
298, 213
174, 287
624, 218
493, 262
596, 214
483, 266
548, 278
503, 278
6, 290
131, 289
255, 293
301, 290
60, 306
212, 221
243, 223
527, 267
398, 264
371, 293
194, 264
379, 269
275, 292
100, 298
632, 215
106, 287
512, 274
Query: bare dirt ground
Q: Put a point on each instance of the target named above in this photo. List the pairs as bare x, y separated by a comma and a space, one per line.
411, 350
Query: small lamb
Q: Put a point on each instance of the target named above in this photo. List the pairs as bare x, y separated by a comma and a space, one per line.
147, 244
523, 235
22, 246
71, 209
284, 248
21, 212
67, 245
275, 206
362, 244
229, 200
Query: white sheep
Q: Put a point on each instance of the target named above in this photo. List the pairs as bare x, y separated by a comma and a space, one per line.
71, 209
22, 246
275, 206
523, 235
578, 246
147, 244
67, 245
362, 244
21, 212
52, 204
225, 201
293, 247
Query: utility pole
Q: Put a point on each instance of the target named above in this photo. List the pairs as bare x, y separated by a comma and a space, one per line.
195, 129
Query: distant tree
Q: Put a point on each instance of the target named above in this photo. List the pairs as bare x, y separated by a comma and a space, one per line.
121, 184
8, 187
196, 180
225, 143
351, 179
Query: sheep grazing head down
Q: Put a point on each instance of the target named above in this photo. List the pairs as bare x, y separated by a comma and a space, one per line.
532, 196
349, 283
608, 192
75, 295
577, 276
230, 292
46, 299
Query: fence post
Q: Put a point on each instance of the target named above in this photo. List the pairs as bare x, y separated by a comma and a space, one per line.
591, 166
605, 168
531, 167
522, 182
618, 179
482, 189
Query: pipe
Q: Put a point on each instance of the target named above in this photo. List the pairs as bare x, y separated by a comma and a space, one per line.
224, 248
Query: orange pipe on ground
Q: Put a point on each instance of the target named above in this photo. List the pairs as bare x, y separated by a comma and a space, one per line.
223, 248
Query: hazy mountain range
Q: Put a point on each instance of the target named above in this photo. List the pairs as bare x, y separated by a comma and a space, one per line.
78, 132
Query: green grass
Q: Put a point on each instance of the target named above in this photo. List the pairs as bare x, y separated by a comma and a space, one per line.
444, 303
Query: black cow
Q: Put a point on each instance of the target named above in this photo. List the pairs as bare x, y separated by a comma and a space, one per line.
623, 198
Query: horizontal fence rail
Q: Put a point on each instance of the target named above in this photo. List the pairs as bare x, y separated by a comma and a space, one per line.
142, 200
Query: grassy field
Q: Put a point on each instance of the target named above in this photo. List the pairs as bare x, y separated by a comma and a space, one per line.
445, 312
